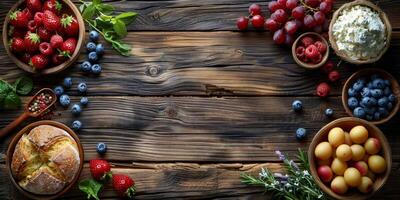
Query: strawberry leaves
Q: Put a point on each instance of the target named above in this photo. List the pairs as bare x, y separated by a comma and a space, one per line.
91, 188
9, 98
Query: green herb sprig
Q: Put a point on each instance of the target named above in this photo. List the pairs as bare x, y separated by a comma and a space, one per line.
113, 28
297, 184
9, 98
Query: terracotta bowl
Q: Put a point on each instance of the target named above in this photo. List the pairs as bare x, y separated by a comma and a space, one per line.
346, 124
367, 73
11, 149
384, 19
68, 7
308, 65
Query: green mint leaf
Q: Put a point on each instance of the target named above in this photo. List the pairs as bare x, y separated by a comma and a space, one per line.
23, 85
12, 101
89, 11
4, 90
120, 28
97, 1
105, 8
103, 24
127, 17
91, 188
123, 49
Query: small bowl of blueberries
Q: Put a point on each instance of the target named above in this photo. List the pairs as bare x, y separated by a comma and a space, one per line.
371, 94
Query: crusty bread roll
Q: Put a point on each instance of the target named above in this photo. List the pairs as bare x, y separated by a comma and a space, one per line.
45, 160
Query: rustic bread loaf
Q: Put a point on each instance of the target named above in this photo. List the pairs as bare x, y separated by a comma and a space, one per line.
45, 160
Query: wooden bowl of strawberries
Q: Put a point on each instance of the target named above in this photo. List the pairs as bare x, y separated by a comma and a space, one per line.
310, 50
43, 37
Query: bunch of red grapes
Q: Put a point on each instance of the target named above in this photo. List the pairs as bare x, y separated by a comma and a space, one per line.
290, 17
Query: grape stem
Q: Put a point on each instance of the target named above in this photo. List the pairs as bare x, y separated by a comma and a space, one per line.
308, 7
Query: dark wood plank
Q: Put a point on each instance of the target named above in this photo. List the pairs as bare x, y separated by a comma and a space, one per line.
206, 64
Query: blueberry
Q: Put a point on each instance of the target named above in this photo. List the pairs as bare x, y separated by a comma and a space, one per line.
86, 66
67, 82
94, 36
389, 106
301, 133
359, 112
358, 85
329, 112
65, 100
392, 98
101, 148
377, 116
76, 125
76, 109
369, 85
387, 83
366, 92
378, 83
90, 47
82, 87
370, 111
382, 102
369, 117
92, 57
367, 102
351, 92
352, 102
377, 93
59, 90
374, 77
96, 69
387, 91
100, 49
383, 112
297, 105
84, 101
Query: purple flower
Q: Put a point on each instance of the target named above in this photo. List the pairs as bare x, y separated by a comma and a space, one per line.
280, 155
294, 165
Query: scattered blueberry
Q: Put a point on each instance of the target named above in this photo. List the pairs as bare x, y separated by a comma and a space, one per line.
86, 66
352, 102
91, 47
76, 125
101, 148
92, 57
67, 82
329, 112
65, 100
82, 87
96, 69
84, 101
94, 36
76, 109
351, 92
359, 112
301, 133
297, 105
59, 90
100, 49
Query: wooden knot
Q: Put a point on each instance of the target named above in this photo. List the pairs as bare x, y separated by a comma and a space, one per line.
171, 111
239, 52
153, 71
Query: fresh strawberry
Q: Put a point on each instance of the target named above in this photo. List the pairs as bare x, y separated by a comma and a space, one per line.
100, 169
69, 25
56, 41
17, 45
44, 34
51, 21
38, 18
34, 5
19, 19
39, 61
26, 58
52, 5
32, 41
27, 13
46, 49
68, 47
57, 59
32, 26
16, 32
124, 185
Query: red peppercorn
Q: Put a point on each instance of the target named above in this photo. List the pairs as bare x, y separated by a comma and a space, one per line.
334, 76
323, 90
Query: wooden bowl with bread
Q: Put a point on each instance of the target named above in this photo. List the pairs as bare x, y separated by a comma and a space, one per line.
45, 160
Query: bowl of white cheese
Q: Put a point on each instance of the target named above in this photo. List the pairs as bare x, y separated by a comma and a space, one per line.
360, 32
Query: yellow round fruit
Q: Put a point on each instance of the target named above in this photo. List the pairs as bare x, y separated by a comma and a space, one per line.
372, 146
338, 185
338, 167
358, 152
336, 137
347, 139
343, 152
323, 151
377, 164
352, 177
359, 134
366, 185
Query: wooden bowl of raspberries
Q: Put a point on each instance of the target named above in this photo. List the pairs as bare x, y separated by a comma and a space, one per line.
43, 36
310, 50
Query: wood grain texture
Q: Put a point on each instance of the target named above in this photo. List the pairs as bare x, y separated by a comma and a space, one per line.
204, 64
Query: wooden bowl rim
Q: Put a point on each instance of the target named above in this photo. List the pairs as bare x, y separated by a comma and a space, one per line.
385, 149
365, 72
306, 65
13, 143
383, 17
55, 69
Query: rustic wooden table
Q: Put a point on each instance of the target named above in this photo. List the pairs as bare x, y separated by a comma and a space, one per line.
198, 102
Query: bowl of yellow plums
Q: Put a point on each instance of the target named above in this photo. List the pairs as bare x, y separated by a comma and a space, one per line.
350, 158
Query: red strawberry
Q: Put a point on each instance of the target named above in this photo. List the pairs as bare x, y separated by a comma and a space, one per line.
52, 5
334, 76
51, 21
68, 47
56, 41
57, 59
323, 90
17, 45
16, 32
19, 19
32, 42
34, 5
39, 61
44, 34
69, 25
26, 58
46, 49
100, 169
32, 26
38, 18
27, 13
124, 185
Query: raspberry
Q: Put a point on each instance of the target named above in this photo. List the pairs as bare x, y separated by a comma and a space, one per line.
317, 59
334, 76
320, 46
300, 52
312, 52
323, 90
307, 41
328, 67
